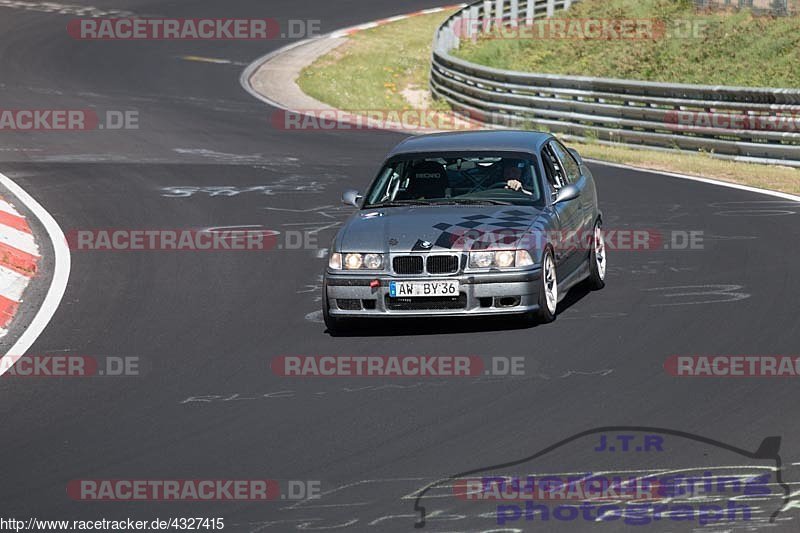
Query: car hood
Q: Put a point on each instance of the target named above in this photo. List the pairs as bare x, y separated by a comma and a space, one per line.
435, 228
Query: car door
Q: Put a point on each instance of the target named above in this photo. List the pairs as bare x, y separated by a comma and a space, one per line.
568, 216
583, 180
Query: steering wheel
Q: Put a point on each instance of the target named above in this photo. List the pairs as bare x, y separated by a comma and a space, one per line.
499, 185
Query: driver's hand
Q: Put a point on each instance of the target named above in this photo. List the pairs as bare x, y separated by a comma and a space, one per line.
514, 185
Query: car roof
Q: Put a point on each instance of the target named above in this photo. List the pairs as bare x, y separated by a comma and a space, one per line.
475, 141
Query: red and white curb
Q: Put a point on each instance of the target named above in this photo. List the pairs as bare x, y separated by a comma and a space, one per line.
346, 32
19, 257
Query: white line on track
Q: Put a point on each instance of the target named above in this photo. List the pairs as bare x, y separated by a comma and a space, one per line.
710, 181
61, 268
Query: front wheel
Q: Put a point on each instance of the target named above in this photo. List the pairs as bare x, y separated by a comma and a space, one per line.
597, 260
548, 290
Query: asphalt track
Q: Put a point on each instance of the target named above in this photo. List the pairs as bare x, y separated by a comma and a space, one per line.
206, 325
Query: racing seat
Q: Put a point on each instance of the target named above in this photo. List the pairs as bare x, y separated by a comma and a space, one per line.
427, 180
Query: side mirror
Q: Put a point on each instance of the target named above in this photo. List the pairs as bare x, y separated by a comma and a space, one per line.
351, 197
567, 193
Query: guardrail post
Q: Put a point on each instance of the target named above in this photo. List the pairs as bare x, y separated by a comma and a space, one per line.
514, 13
498, 8
464, 25
455, 28
487, 15
473, 23
567, 3
529, 12
551, 8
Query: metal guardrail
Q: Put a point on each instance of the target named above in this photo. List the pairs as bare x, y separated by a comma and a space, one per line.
759, 125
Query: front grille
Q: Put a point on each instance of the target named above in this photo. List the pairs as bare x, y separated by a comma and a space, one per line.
408, 264
428, 303
442, 264
347, 304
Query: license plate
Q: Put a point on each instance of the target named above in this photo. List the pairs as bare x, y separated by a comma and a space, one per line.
413, 289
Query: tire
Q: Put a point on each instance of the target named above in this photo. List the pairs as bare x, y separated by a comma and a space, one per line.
597, 260
548, 290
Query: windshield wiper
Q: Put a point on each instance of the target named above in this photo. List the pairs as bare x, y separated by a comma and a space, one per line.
398, 203
474, 201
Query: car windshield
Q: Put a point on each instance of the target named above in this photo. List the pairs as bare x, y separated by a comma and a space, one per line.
468, 178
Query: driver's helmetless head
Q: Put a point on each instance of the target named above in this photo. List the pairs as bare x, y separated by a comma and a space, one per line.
511, 170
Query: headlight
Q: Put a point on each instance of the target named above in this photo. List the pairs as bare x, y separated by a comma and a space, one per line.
504, 259
481, 259
353, 261
500, 259
373, 261
335, 261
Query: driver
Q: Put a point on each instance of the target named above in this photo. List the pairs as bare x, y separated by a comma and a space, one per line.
512, 173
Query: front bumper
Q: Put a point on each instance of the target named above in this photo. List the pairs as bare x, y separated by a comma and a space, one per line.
480, 294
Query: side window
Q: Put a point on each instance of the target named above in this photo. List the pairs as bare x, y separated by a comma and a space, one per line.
552, 167
387, 183
571, 167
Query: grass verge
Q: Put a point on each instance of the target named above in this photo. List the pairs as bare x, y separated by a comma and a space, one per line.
681, 46
383, 68
386, 68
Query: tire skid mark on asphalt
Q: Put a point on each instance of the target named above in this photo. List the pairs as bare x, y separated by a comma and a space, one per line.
727, 293
766, 207
314, 288
225, 157
293, 394
729, 237
330, 217
282, 185
212, 60
66, 9
652, 268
